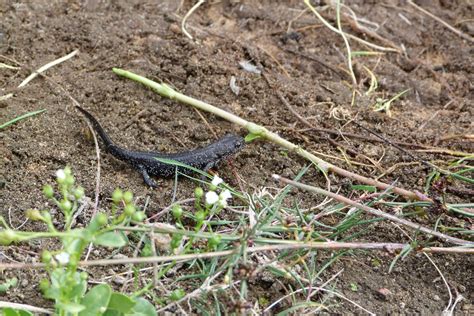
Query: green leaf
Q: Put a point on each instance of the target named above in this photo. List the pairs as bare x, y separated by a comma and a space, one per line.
96, 300
14, 312
121, 303
110, 239
177, 294
80, 288
354, 287
8, 284
73, 244
143, 308
368, 188
69, 307
250, 137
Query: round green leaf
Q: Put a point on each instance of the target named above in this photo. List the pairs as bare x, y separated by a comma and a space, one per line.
110, 239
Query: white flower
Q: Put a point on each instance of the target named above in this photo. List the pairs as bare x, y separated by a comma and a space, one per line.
225, 195
223, 203
60, 174
63, 258
216, 181
211, 197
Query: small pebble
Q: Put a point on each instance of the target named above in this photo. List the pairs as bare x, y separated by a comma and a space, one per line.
233, 86
247, 66
384, 293
120, 256
119, 280
174, 28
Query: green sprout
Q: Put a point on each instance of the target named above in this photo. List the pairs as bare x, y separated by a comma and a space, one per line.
384, 104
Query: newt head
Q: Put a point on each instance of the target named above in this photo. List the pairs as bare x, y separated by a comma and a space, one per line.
231, 143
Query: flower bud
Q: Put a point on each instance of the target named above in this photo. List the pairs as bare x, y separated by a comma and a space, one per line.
48, 191
79, 193
177, 211
200, 216
117, 196
129, 209
34, 215
138, 216
198, 192
65, 205
69, 180
128, 197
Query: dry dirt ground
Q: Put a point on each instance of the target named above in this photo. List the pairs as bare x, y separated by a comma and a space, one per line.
303, 60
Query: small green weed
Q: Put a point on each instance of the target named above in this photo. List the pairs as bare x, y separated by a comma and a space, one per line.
66, 285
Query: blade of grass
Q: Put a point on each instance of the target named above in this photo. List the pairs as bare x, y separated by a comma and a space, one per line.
21, 117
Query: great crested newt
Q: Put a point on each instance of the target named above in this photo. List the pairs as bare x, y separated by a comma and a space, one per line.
146, 163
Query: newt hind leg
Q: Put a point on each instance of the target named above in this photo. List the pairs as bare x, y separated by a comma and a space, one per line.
146, 177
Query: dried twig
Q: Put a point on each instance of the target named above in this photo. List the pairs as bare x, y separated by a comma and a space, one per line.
291, 245
46, 67
332, 28
188, 14
445, 24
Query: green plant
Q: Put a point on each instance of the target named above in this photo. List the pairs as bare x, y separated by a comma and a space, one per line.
385, 104
66, 285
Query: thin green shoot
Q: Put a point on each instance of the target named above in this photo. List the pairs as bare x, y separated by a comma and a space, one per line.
366, 188
384, 105
405, 252
433, 176
183, 165
458, 176
21, 117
